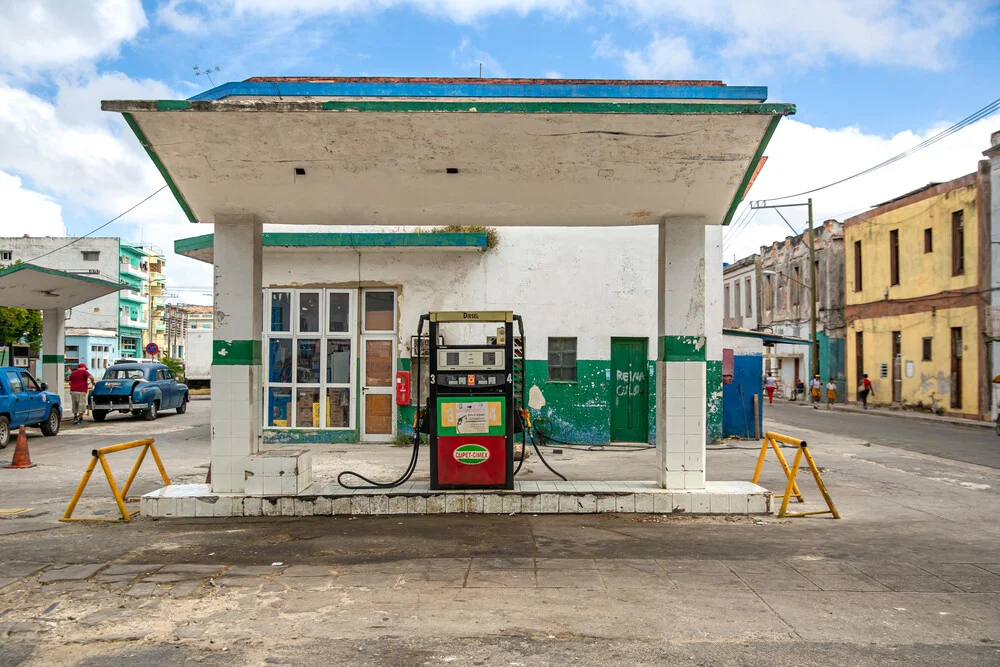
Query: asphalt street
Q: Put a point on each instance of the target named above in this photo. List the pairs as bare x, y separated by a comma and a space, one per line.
909, 576
968, 444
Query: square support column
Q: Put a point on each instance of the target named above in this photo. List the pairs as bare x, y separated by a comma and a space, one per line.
54, 353
236, 351
713, 332
681, 355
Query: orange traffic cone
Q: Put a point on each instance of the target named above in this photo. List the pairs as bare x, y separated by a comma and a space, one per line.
21, 457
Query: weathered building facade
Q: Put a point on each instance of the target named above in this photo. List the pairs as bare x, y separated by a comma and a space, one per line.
741, 297
917, 270
785, 309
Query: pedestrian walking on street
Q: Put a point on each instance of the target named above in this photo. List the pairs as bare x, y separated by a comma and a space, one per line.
770, 384
831, 394
865, 389
80, 382
815, 390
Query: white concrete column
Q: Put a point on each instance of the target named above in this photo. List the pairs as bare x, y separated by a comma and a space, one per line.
236, 350
54, 353
680, 376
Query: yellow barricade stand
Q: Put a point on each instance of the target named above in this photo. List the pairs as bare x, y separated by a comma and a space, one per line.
771, 440
120, 495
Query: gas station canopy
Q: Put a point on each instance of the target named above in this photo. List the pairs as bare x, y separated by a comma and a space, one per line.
390, 151
39, 288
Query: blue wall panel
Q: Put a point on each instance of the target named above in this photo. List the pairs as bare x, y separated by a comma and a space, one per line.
737, 412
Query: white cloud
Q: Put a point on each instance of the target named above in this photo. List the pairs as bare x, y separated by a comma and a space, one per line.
801, 157
663, 58
27, 211
913, 33
91, 161
469, 58
552, 74
203, 15
45, 34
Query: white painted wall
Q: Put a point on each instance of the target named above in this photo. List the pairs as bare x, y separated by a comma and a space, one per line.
743, 345
592, 283
713, 293
101, 313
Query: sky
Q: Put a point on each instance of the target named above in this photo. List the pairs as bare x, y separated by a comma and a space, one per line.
870, 78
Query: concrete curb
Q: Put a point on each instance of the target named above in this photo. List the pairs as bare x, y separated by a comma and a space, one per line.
904, 414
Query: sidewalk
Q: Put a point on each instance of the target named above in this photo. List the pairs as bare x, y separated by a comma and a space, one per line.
898, 413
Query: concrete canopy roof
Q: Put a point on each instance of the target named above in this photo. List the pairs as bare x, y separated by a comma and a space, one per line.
38, 288
459, 151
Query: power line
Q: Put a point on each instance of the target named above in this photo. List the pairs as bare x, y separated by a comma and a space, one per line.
976, 116
97, 229
736, 233
734, 229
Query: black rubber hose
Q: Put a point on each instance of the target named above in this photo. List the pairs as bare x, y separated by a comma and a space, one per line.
542, 458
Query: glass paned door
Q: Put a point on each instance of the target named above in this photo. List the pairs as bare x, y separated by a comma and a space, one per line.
378, 367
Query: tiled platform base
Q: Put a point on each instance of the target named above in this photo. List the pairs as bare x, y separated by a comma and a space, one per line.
197, 500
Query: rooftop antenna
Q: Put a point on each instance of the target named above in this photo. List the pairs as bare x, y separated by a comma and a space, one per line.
207, 72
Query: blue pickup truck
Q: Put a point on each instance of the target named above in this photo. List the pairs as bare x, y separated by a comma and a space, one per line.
26, 402
140, 388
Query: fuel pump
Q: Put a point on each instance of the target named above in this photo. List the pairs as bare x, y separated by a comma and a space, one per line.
472, 412
471, 407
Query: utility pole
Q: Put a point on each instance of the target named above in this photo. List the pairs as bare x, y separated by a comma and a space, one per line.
813, 294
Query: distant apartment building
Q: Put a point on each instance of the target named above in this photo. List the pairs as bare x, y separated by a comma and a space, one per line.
112, 326
741, 294
917, 269
785, 308
175, 321
200, 317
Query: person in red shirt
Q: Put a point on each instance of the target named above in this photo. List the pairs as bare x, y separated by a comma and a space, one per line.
865, 389
80, 382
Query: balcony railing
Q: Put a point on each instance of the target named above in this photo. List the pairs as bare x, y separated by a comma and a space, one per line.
135, 295
127, 267
128, 321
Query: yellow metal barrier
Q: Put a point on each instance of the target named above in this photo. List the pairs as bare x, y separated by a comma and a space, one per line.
120, 495
771, 440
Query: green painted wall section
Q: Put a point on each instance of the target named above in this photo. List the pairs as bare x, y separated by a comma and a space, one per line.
713, 401
309, 436
53, 359
575, 412
832, 360
236, 352
681, 348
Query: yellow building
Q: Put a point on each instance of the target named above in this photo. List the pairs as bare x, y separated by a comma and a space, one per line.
917, 276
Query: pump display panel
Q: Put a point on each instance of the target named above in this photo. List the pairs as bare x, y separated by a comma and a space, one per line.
487, 359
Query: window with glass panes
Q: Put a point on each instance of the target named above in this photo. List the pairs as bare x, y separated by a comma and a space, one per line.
562, 359
309, 358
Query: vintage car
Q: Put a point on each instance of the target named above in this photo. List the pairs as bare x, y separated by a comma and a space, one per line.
140, 388
26, 402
